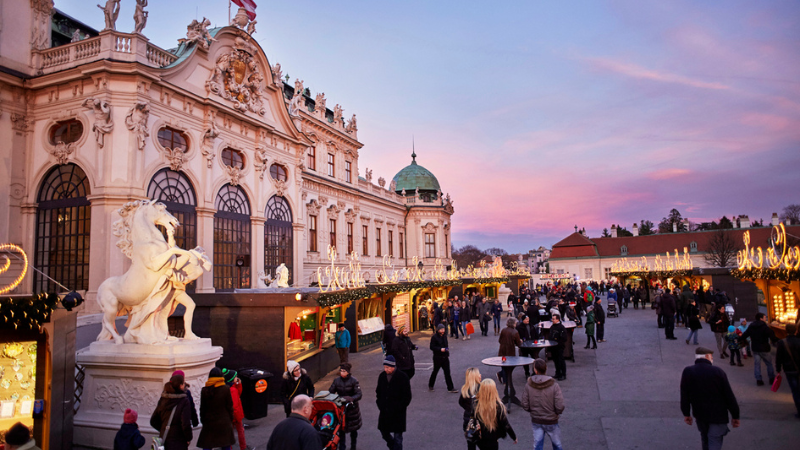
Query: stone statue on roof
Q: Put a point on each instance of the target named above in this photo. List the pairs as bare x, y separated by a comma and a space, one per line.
140, 16
110, 13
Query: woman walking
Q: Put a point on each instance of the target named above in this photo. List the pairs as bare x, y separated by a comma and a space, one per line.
693, 321
468, 397
295, 382
590, 339
216, 413
492, 419
347, 387
173, 415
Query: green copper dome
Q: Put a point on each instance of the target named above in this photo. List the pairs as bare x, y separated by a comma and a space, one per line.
414, 176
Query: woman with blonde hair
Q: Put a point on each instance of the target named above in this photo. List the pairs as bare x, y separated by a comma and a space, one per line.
468, 397
492, 418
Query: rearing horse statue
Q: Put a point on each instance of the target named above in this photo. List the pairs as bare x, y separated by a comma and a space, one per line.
156, 281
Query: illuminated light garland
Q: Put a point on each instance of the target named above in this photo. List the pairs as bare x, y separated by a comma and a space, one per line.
27, 313
754, 258
18, 280
787, 275
654, 274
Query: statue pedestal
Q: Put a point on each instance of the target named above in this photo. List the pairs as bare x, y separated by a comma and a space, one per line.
133, 376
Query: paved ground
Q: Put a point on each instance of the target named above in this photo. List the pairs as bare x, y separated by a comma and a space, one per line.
624, 395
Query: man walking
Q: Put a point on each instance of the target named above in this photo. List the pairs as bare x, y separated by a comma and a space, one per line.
760, 335
342, 337
787, 357
542, 398
441, 359
296, 432
668, 309
719, 325
706, 393
485, 316
393, 395
600, 321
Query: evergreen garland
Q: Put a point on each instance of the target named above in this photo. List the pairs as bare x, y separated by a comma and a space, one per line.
340, 297
786, 275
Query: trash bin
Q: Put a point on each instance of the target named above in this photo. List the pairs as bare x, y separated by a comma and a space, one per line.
254, 392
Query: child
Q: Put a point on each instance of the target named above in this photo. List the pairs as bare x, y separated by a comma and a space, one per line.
741, 329
733, 344
128, 437
232, 380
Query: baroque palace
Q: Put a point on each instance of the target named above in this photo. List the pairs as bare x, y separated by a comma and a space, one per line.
257, 171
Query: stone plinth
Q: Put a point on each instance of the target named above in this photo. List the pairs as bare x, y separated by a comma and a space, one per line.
133, 376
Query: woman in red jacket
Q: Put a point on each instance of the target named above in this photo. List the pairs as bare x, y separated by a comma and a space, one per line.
235, 384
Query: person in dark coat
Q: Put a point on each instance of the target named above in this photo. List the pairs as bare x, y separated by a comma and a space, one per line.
347, 387
216, 413
296, 432
590, 339
393, 395
719, 325
526, 333
492, 417
707, 395
389, 334
403, 352
760, 335
533, 313
600, 320
668, 309
787, 357
128, 437
441, 359
693, 320
172, 398
295, 382
558, 333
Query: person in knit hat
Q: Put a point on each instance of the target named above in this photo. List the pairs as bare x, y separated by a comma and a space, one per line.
18, 437
195, 420
232, 380
216, 413
128, 437
295, 382
173, 415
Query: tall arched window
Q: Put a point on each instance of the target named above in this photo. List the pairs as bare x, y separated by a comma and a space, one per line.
231, 239
63, 226
278, 241
175, 190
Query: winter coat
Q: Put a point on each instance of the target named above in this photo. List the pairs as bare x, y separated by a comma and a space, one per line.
351, 390
721, 327
599, 313
502, 429
693, 317
787, 356
760, 335
438, 342
180, 430
216, 413
437, 315
128, 437
509, 341
527, 332
685, 298
342, 338
485, 312
294, 433
236, 396
706, 393
533, 314
542, 398
733, 341
497, 309
468, 405
403, 352
612, 296
195, 419
589, 327
291, 388
389, 334
393, 397
668, 305
466, 313
558, 333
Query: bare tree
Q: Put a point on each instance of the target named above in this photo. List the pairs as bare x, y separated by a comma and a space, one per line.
791, 215
722, 249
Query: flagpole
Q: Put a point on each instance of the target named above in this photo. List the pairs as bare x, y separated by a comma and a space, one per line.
229, 12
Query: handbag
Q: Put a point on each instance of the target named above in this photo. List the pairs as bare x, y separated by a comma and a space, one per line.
777, 383
158, 441
473, 431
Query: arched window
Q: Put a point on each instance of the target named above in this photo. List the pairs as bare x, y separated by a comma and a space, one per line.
278, 236
278, 172
231, 239
175, 190
67, 131
172, 139
693, 247
63, 226
233, 158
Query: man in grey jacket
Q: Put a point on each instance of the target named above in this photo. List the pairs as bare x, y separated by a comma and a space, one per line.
542, 398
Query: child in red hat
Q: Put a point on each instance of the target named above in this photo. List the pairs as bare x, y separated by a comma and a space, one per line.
128, 437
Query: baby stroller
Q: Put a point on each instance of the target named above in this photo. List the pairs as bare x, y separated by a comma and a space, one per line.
327, 416
612, 309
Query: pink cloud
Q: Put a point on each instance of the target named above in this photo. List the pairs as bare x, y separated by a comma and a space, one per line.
635, 71
669, 174
768, 121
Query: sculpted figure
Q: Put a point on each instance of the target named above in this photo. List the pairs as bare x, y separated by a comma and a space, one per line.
110, 12
277, 74
156, 281
351, 125
140, 16
76, 36
197, 32
337, 114
319, 104
136, 121
251, 27
282, 276
103, 123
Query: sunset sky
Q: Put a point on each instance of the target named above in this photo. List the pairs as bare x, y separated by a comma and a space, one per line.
537, 116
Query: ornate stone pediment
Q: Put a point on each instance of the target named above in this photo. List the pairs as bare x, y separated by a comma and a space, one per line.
237, 77
333, 211
63, 152
313, 207
429, 228
350, 216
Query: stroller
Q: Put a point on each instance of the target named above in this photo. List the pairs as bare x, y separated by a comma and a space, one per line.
611, 309
328, 418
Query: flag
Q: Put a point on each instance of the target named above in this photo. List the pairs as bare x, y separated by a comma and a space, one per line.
249, 6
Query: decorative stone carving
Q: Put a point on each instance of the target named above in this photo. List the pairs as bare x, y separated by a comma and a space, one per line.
313, 207
103, 123
340, 205
110, 13
76, 36
368, 175
240, 19
280, 187
140, 16
429, 228
381, 182
304, 195
350, 216
282, 275
62, 152
17, 191
393, 186
41, 29
403, 192
234, 173
416, 192
333, 211
351, 126
323, 200
237, 78
156, 281
20, 122
277, 74
197, 33
337, 115
295, 106
211, 133
261, 160
136, 121
176, 158
251, 27
124, 393
319, 105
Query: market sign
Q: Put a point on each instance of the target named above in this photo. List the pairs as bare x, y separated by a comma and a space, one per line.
779, 262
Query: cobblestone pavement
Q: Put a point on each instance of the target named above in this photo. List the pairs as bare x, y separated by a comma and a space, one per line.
624, 395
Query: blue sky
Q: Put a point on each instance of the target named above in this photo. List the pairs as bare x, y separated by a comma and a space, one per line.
536, 116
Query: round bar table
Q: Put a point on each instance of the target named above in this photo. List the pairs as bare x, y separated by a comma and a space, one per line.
568, 346
537, 345
508, 368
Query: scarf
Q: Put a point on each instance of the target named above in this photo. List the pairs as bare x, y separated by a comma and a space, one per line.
216, 381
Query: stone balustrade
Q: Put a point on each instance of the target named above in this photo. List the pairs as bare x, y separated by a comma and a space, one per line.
108, 45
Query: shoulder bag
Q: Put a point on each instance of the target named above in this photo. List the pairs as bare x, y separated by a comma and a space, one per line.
473, 431
158, 442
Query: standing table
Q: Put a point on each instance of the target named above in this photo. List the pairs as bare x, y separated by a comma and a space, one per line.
508, 368
568, 347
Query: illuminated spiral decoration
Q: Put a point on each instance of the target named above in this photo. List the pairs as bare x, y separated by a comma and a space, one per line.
7, 264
